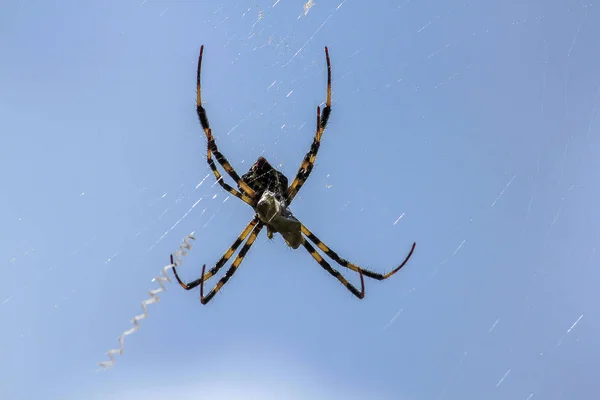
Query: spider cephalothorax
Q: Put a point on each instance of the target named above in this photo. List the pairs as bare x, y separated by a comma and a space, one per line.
266, 190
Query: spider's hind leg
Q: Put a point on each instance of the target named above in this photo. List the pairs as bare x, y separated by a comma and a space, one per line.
309, 160
247, 193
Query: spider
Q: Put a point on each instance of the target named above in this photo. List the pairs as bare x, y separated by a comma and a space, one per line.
266, 190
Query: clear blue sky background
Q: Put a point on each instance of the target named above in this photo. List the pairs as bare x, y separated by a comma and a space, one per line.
476, 122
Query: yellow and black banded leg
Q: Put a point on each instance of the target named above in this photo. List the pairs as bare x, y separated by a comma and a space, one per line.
335, 273
248, 193
236, 263
226, 256
242, 196
345, 263
309, 160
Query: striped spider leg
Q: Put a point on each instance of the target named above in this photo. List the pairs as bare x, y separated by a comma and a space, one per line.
247, 194
255, 226
234, 266
223, 260
309, 160
343, 262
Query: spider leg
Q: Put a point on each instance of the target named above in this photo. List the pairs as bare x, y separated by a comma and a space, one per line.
335, 273
236, 263
345, 263
248, 193
226, 256
242, 196
309, 160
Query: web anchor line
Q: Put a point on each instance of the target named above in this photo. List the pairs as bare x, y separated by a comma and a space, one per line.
161, 280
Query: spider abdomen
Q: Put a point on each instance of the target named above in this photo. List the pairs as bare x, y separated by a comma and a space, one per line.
262, 176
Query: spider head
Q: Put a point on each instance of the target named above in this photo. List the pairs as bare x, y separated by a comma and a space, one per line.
278, 218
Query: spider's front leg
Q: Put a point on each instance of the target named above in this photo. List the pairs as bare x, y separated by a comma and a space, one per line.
347, 264
309, 160
234, 266
335, 273
247, 193
226, 256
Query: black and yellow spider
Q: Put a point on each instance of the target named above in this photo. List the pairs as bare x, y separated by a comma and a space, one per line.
266, 190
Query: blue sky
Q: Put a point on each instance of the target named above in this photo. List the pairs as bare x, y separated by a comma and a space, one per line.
470, 128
